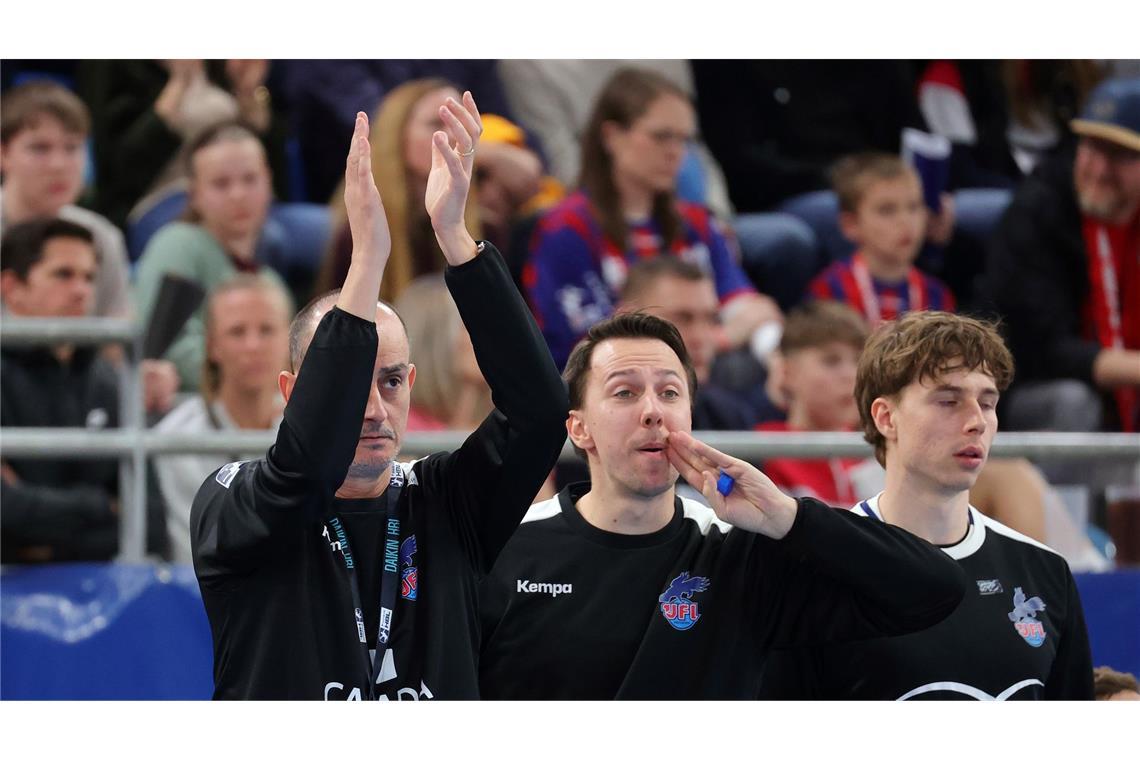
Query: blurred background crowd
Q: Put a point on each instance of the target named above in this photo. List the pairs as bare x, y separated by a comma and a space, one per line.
769, 209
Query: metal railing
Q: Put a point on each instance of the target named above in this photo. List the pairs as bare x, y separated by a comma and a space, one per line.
15, 331
132, 443
78, 443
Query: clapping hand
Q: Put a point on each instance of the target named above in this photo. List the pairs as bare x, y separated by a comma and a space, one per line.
371, 242
247, 81
370, 237
182, 75
753, 504
452, 161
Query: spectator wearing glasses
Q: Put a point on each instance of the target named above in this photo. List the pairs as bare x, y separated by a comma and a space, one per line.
1064, 272
626, 210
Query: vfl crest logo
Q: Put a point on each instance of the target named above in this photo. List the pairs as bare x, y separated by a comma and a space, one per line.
677, 603
1024, 617
409, 575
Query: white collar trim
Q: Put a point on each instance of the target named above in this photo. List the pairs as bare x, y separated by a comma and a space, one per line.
975, 535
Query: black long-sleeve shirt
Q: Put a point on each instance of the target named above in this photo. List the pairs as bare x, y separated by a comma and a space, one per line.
691, 611
1037, 278
65, 504
275, 588
1019, 634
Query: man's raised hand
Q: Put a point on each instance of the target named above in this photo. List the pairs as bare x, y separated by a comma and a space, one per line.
366, 220
371, 243
753, 504
452, 162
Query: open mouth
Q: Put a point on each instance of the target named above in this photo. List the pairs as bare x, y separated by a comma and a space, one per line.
653, 449
971, 455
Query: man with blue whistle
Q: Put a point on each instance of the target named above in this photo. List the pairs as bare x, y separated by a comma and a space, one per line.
619, 588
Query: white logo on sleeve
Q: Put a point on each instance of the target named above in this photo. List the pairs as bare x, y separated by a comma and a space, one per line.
226, 475
554, 589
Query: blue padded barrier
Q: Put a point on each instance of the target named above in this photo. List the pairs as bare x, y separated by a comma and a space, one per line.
96, 631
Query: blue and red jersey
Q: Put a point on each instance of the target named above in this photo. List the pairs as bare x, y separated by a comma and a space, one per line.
849, 282
574, 273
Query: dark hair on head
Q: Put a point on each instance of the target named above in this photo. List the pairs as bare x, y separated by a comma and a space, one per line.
23, 106
222, 131
853, 174
818, 323
629, 324
229, 130
644, 273
1108, 682
626, 97
23, 244
635, 324
305, 324
923, 345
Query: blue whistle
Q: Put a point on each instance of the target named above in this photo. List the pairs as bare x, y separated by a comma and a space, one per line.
725, 483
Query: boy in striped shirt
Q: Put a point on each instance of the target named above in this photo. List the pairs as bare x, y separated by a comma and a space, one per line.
881, 210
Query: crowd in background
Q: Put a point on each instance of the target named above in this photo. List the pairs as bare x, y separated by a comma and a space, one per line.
763, 207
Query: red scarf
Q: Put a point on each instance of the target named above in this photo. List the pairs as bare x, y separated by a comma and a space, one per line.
1112, 308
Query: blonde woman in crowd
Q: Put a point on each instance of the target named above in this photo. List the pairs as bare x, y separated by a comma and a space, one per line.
246, 347
508, 182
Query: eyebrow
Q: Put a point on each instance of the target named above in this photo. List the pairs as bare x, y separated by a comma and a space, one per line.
394, 369
623, 372
957, 389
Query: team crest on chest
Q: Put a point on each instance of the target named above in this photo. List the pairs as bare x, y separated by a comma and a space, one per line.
409, 576
677, 605
1024, 617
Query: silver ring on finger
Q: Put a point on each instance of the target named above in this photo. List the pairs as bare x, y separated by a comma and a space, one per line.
469, 153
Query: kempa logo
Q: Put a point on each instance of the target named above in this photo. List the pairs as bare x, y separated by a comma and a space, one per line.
554, 589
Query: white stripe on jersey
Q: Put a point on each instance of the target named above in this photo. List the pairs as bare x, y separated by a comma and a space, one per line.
543, 510
703, 516
975, 537
1009, 532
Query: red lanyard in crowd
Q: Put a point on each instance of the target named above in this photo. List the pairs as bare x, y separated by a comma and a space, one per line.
870, 300
1105, 303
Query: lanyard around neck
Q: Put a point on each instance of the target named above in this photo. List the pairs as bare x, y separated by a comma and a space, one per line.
871, 307
389, 578
1110, 287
